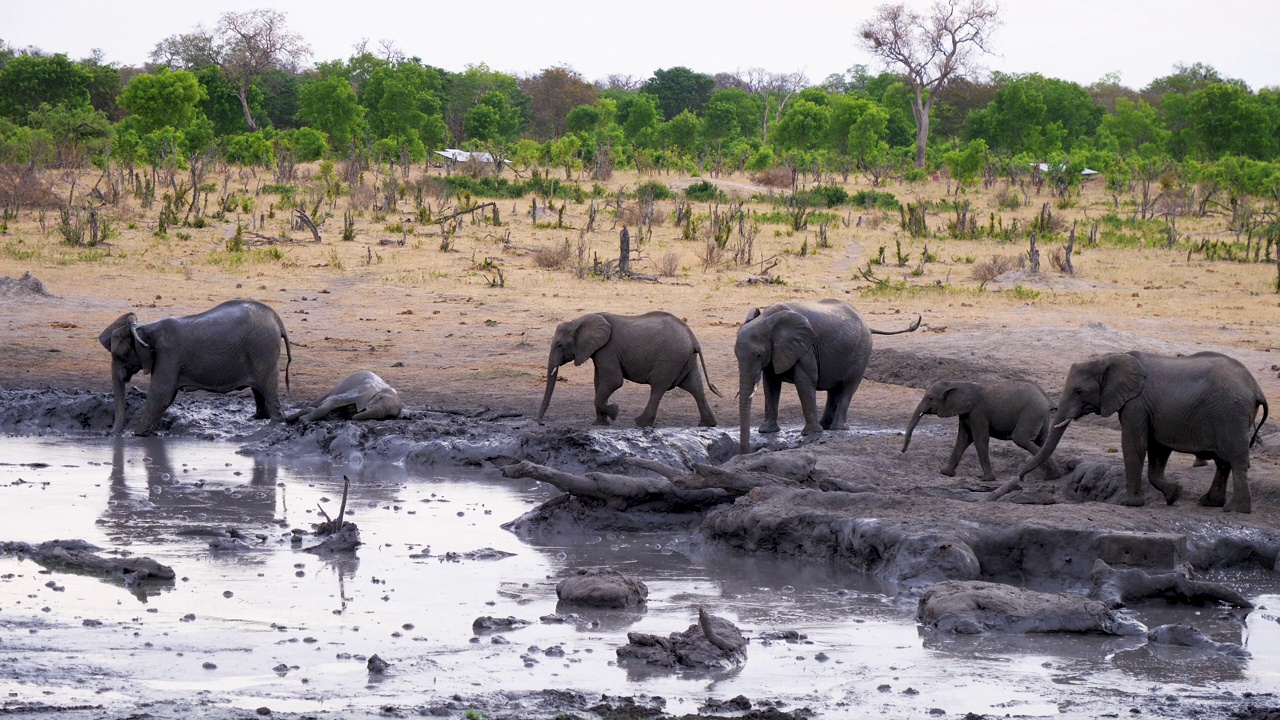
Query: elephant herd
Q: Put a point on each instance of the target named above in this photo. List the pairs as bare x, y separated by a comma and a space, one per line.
1203, 404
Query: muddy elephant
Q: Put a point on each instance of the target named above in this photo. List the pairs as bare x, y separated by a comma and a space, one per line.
1015, 410
1203, 404
362, 395
233, 346
656, 349
821, 345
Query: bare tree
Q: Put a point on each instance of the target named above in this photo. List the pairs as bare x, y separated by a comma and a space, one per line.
780, 86
243, 45
619, 81
930, 48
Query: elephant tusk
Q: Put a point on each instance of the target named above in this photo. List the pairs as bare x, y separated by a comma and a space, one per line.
133, 328
1062, 424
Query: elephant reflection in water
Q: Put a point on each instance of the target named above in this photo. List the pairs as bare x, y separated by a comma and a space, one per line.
177, 500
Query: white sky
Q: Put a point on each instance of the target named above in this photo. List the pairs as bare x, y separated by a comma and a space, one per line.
1079, 40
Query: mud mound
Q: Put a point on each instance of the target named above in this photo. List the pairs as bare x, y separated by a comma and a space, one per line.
901, 367
26, 287
54, 412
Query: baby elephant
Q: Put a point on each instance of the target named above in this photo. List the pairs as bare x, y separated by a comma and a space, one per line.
1014, 410
362, 395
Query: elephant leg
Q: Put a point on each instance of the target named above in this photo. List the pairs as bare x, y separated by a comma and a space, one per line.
260, 406
964, 439
1134, 446
1032, 439
829, 408
606, 385
772, 395
808, 390
159, 397
1217, 495
692, 384
982, 443
1241, 501
650, 413
1157, 460
269, 389
840, 408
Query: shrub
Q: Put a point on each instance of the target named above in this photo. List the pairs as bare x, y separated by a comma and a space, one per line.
827, 196
669, 265
653, 190
775, 177
871, 198
984, 271
703, 191
21, 186
553, 258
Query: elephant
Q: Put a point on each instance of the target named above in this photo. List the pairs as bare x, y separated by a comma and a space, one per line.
820, 345
1203, 404
233, 346
656, 348
362, 395
1016, 410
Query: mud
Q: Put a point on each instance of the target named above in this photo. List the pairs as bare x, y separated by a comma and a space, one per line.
970, 608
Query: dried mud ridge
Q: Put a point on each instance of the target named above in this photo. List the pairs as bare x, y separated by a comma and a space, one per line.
1051, 556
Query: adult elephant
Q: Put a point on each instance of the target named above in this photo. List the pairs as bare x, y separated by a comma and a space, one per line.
233, 346
822, 345
655, 348
1203, 404
362, 395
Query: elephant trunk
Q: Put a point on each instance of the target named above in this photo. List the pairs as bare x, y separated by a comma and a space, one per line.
117, 387
918, 413
1050, 444
746, 386
553, 374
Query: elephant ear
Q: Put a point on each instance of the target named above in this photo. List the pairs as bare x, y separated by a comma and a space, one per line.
958, 399
592, 333
793, 338
752, 314
1123, 377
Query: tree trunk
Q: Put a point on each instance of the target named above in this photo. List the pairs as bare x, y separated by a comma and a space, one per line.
243, 96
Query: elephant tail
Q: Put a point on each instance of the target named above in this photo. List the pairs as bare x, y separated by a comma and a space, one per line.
914, 326
288, 352
1261, 400
706, 376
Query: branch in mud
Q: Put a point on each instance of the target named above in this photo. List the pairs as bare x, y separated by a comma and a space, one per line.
79, 556
1116, 588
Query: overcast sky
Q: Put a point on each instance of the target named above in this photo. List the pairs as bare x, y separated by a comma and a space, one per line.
1079, 40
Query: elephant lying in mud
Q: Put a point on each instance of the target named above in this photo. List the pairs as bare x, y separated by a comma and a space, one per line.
822, 345
233, 346
1203, 404
655, 348
362, 395
1015, 410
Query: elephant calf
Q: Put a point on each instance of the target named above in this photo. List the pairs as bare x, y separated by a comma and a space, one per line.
1015, 410
655, 348
362, 395
233, 346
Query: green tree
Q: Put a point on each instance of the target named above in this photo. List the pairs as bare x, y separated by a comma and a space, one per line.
582, 119
27, 82
493, 120
681, 131
1133, 125
679, 89
1227, 119
331, 107
967, 163
747, 109
162, 99
640, 113
221, 105
803, 127
103, 85
78, 131
466, 89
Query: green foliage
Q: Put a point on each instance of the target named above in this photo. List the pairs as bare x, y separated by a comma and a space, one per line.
968, 163
871, 198
160, 100
28, 81
493, 120
653, 190
250, 149
331, 107
704, 191
309, 143
803, 127
1023, 293
500, 187
679, 90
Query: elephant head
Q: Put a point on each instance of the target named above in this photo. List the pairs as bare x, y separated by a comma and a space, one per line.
1102, 385
577, 340
780, 341
132, 349
944, 399
382, 405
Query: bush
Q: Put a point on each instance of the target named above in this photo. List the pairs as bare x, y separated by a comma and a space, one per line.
653, 191
553, 258
984, 271
871, 198
827, 196
500, 187
703, 191
309, 143
775, 177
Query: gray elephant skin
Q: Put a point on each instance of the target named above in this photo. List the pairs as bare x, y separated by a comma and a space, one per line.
1203, 404
1016, 410
362, 395
233, 346
821, 345
657, 349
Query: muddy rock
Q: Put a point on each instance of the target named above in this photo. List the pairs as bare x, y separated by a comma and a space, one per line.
488, 623
376, 665
346, 540
27, 286
712, 643
486, 553
1189, 636
80, 556
602, 588
981, 607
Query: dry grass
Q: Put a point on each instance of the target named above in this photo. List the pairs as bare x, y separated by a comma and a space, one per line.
556, 257
775, 177
669, 264
984, 271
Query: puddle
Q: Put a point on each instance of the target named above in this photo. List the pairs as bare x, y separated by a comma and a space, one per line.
274, 626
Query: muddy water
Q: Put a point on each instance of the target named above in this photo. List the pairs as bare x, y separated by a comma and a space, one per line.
271, 625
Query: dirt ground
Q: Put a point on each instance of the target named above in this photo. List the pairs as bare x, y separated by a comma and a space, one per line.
434, 325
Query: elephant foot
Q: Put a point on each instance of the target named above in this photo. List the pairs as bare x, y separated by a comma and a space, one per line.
1211, 499
1133, 500
769, 428
949, 472
707, 422
612, 411
602, 420
1200, 462
1238, 505
643, 421
1051, 472
811, 430
838, 426
1171, 493
989, 478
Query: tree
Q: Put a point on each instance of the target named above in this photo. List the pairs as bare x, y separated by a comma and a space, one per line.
1187, 79
163, 99
493, 121
1133, 125
553, 93
804, 126
464, 91
679, 89
930, 49
28, 81
331, 107
243, 44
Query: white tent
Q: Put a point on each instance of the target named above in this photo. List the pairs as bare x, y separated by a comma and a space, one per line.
1044, 167
464, 156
